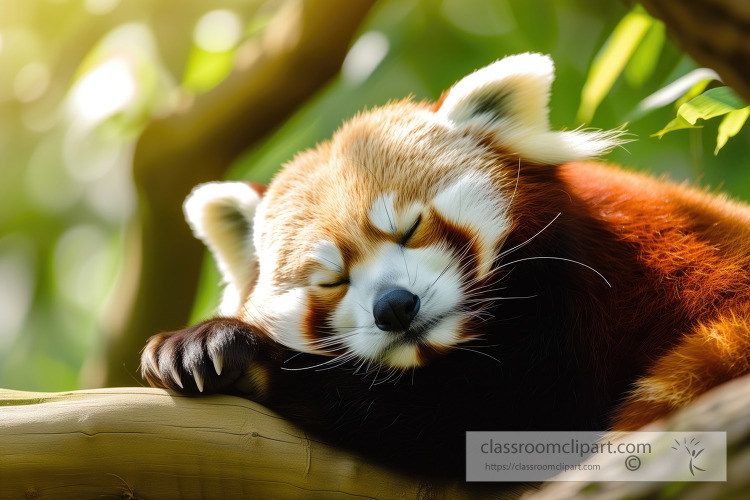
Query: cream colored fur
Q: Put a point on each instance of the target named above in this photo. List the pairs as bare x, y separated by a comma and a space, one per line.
221, 214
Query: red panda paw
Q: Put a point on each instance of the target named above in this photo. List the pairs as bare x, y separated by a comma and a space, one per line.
217, 355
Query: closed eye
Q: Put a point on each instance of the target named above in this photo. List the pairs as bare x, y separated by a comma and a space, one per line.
407, 236
334, 284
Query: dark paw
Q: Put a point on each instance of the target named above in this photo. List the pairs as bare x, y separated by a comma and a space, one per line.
213, 356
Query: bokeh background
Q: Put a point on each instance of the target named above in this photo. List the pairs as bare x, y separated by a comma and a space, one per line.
92, 91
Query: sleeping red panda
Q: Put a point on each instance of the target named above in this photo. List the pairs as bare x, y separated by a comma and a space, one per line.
434, 269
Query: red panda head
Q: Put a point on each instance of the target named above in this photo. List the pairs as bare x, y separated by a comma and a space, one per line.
371, 246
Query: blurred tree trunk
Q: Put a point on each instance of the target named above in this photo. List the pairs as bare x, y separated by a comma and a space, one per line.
300, 51
716, 33
150, 443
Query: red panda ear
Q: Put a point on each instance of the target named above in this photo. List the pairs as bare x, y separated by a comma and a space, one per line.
222, 214
509, 99
514, 88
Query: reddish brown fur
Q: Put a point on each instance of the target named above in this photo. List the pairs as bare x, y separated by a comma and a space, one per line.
677, 260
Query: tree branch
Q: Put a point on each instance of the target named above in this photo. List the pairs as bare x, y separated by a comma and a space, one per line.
150, 443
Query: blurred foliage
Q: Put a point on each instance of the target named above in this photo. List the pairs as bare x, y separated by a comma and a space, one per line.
720, 101
637, 41
79, 81
80, 78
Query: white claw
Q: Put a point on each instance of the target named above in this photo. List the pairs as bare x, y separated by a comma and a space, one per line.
217, 360
198, 379
176, 377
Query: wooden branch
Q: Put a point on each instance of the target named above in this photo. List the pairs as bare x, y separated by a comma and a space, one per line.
714, 32
151, 443
302, 49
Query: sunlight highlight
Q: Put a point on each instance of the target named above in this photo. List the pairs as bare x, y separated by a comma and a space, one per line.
108, 88
31, 82
218, 31
365, 56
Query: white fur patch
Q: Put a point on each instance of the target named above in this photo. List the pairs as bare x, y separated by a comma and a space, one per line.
402, 356
327, 254
221, 215
509, 98
284, 314
384, 215
475, 203
429, 272
331, 264
443, 334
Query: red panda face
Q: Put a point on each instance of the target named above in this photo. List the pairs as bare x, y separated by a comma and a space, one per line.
372, 246
374, 258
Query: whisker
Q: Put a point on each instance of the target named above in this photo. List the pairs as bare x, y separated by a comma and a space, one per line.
406, 266
492, 299
462, 254
520, 245
518, 176
332, 360
292, 357
558, 258
346, 359
477, 352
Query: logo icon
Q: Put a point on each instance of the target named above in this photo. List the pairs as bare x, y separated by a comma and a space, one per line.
632, 463
692, 450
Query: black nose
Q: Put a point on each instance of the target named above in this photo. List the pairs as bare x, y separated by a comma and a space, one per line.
395, 309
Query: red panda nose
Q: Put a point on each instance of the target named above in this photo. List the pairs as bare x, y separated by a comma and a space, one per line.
395, 309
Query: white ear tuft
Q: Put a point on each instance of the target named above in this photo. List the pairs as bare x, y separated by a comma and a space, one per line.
509, 99
221, 215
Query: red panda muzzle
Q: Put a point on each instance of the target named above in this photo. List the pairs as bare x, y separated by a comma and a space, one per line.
395, 310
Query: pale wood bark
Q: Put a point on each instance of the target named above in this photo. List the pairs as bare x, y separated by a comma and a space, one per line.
150, 443
153, 444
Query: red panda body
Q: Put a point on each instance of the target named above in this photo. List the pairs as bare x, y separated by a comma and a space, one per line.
680, 275
431, 271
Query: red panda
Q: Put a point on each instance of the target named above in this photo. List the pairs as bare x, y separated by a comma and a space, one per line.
435, 269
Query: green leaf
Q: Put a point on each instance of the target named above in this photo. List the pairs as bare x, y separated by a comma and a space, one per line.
714, 102
694, 91
730, 125
611, 60
646, 56
674, 92
677, 124
205, 70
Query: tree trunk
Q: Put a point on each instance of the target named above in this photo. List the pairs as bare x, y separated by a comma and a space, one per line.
153, 444
301, 50
714, 32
